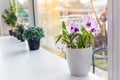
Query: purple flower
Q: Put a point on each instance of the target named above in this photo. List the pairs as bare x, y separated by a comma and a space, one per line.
91, 25
80, 27
89, 22
73, 24
86, 21
70, 26
76, 30
93, 30
74, 27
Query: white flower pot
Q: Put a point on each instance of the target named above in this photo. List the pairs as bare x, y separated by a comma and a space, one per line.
79, 61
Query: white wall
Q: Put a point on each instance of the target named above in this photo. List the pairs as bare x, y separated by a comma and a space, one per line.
114, 39
4, 4
118, 32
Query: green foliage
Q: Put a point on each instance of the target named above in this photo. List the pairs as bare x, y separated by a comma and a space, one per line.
33, 33
64, 29
19, 29
85, 39
75, 40
9, 16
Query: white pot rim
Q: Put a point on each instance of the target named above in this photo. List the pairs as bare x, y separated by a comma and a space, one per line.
78, 48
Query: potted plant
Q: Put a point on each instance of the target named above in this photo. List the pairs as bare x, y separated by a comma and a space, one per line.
10, 17
79, 38
33, 35
19, 31
17, 34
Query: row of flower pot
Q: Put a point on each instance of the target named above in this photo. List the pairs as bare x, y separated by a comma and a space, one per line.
32, 35
17, 32
19, 37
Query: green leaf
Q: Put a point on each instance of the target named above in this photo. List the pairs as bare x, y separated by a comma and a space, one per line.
74, 36
58, 38
73, 45
33, 33
64, 29
9, 16
66, 41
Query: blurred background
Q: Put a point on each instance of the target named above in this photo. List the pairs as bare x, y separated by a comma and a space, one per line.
49, 14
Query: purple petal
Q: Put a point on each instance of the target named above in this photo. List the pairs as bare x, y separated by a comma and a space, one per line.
72, 28
79, 25
88, 24
93, 30
73, 25
69, 24
76, 30
86, 18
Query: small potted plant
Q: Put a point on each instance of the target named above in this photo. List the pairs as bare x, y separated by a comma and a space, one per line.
10, 17
33, 35
17, 34
19, 31
79, 38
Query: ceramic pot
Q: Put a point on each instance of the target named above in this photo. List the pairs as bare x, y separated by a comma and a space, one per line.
79, 61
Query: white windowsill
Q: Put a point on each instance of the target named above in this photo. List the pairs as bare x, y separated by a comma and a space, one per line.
18, 63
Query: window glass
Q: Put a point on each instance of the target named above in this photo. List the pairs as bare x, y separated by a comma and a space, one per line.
52, 12
22, 12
